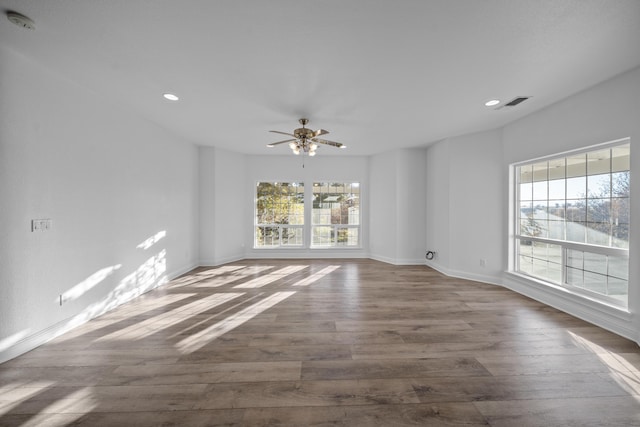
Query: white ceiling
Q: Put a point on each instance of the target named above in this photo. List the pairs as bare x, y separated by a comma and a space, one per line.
377, 74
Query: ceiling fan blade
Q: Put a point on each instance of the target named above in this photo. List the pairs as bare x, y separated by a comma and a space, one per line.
284, 133
273, 144
324, 141
320, 132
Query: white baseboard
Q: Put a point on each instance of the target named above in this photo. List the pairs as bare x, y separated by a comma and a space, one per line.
396, 261
219, 261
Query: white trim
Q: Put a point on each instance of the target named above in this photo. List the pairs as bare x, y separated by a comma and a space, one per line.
607, 317
492, 280
620, 141
219, 261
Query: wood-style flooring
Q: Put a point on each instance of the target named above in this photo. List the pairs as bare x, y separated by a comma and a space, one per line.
326, 342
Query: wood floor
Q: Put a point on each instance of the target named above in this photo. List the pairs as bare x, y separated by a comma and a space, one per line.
326, 342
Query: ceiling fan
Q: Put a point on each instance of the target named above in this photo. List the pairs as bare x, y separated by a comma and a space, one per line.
305, 140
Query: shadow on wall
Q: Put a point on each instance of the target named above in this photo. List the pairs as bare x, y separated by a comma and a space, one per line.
149, 275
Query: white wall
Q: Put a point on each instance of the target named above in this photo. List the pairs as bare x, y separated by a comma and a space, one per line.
223, 192
121, 193
437, 216
288, 168
606, 112
398, 206
383, 243
466, 199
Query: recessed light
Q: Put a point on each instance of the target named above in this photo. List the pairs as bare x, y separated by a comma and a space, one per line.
492, 102
171, 97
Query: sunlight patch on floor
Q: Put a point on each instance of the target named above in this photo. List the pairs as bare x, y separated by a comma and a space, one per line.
622, 371
13, 394
259, 282
317, 276
202, 338
154, 324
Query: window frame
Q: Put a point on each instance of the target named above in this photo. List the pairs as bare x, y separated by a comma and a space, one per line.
516, 238
307, 226
279, 226
335, 228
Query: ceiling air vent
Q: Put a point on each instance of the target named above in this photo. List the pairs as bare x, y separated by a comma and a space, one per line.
516, 101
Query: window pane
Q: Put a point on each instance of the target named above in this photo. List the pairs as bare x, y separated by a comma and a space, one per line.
595, 263
620, 184
576, 165
557, 169
595, 282
322, 236
599, 186
577, 187
526, 173
540, 190
620, 158
557, 189
540, 172
526, 191
599, 162
292, 236
576, 231
335, 204
556, 230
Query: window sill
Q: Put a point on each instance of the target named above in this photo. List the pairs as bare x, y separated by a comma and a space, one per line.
618, 311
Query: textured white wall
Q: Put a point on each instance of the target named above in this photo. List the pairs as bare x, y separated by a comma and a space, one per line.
122, 195
398, 206
466, 218
383, 215
437, 217
477, 219
229, 208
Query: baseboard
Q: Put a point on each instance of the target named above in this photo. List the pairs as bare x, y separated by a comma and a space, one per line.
396, 261
484, 278
219, 261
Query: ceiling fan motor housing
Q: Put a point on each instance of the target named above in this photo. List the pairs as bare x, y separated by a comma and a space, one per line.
304, 133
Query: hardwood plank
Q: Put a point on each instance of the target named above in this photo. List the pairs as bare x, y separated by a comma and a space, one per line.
264, 342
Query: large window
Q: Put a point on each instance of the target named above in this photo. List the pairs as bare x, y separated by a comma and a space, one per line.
334, 210
336, 214
572, 221
279, 214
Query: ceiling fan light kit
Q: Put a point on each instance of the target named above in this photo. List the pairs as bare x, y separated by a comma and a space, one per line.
305, 141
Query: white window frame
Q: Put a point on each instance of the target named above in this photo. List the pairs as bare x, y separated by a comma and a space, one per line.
335, 228
281, 227
565, 245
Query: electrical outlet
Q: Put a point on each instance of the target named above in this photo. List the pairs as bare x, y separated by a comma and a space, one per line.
483, 262
41, 225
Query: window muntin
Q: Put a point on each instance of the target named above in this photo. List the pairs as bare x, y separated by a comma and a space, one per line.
335, 218
279, 214
572, 225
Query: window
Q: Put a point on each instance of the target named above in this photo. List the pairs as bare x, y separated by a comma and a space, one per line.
336, 214
572, 221
279, 214
334, 210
